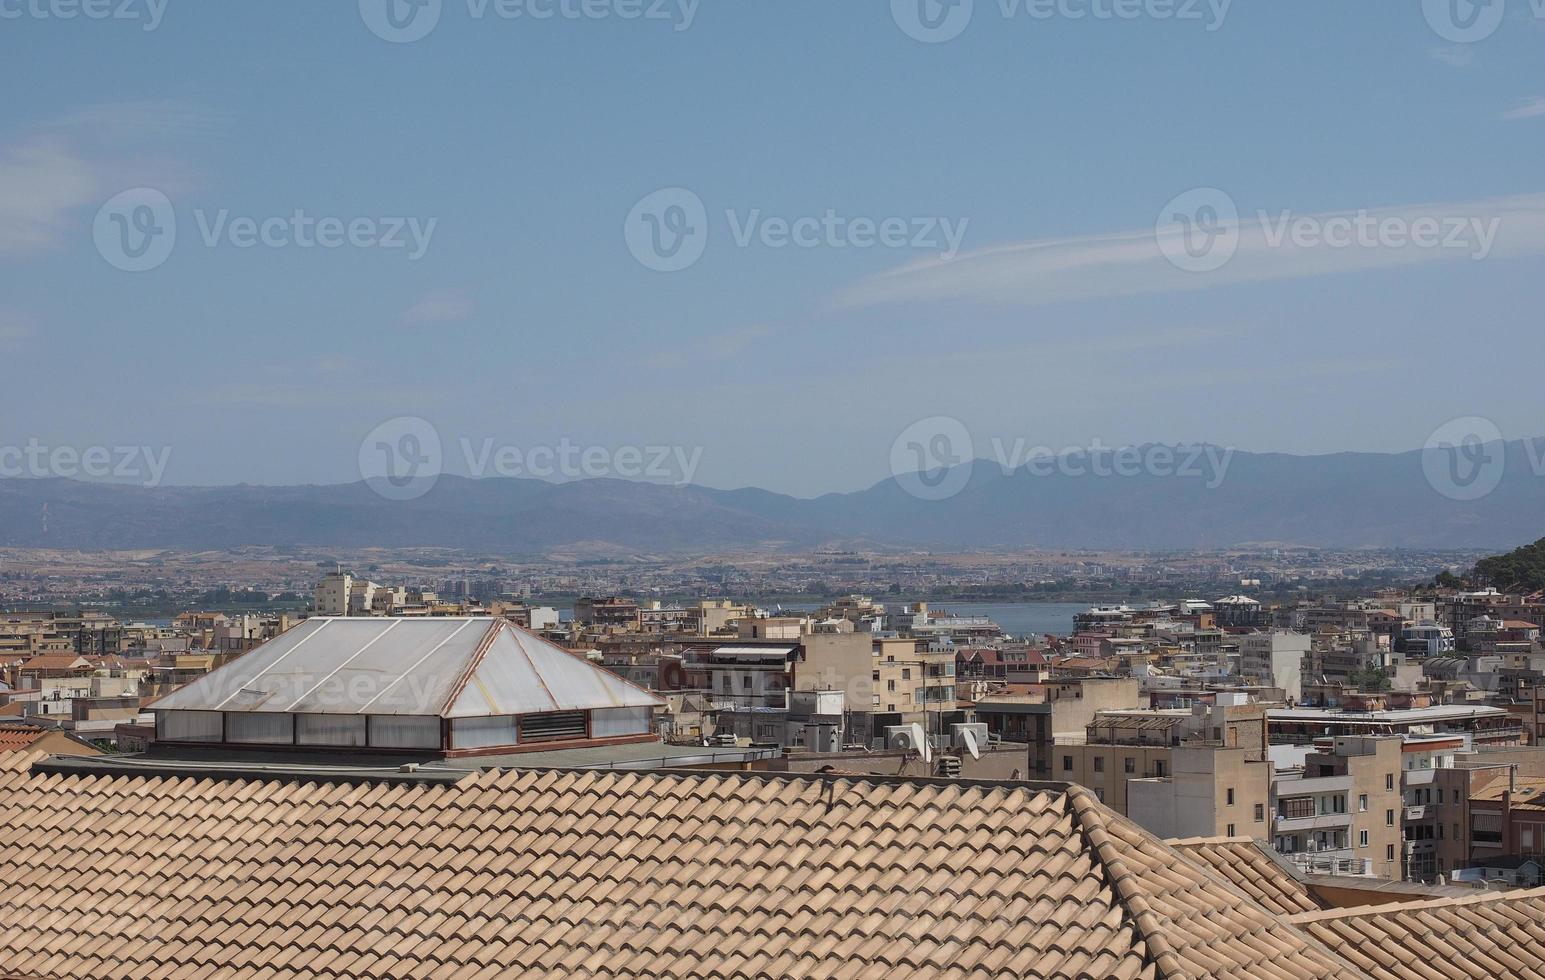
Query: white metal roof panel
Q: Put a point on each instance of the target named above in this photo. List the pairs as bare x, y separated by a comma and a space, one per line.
220, 686
407, 667
524, 674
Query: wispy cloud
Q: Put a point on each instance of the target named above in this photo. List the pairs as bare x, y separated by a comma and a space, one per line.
718, 347
445, 306
51, 174
42, 183
1132, 263
1530, 108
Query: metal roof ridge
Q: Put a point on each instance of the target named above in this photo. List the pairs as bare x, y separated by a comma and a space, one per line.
473, 663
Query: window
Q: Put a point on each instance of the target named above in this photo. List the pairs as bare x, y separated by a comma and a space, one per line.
1099, 763
1129, 765
1389, 818
1389, 781
1362, 838
1389, 851
1260, 812
1230, 797
1362, 803
1067, 763
1158, 768
1231, 831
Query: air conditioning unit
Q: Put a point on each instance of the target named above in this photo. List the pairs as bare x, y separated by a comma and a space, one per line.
977, 730
902, 737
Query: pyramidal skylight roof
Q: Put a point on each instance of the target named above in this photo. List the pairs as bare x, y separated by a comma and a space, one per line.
452, 668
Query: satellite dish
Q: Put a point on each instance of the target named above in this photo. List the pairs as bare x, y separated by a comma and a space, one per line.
970, 739
921, 741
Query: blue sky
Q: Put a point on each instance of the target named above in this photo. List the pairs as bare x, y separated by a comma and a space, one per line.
1054, 143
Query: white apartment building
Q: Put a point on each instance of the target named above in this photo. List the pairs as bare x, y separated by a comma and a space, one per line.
1275, 659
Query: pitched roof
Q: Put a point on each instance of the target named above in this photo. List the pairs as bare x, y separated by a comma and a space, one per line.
55, 661
15, 738
450, 667
1253, 868
1490, 935
609, 874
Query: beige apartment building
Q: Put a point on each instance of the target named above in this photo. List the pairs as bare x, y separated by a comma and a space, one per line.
1341, 812
1210, 792
1120, 746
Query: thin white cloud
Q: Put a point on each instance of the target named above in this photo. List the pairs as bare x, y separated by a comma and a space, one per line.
1132, 263
42, 183
1530, 108
53, 175
445, 306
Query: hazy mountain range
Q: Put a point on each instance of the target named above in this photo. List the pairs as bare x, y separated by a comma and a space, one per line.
1341, 500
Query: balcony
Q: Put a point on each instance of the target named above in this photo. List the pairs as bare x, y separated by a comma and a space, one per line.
1319, 821
1325, 863
1314, 785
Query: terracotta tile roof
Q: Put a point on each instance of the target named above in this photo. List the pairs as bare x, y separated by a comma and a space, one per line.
15, 738
1492, 935
1253, 869
609, 874
55, 661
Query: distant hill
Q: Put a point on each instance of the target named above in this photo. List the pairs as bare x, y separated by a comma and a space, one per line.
1346, 500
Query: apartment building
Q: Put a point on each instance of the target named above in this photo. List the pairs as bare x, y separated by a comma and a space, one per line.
1209, 791
1119, 746
1275, 659
1340, 811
